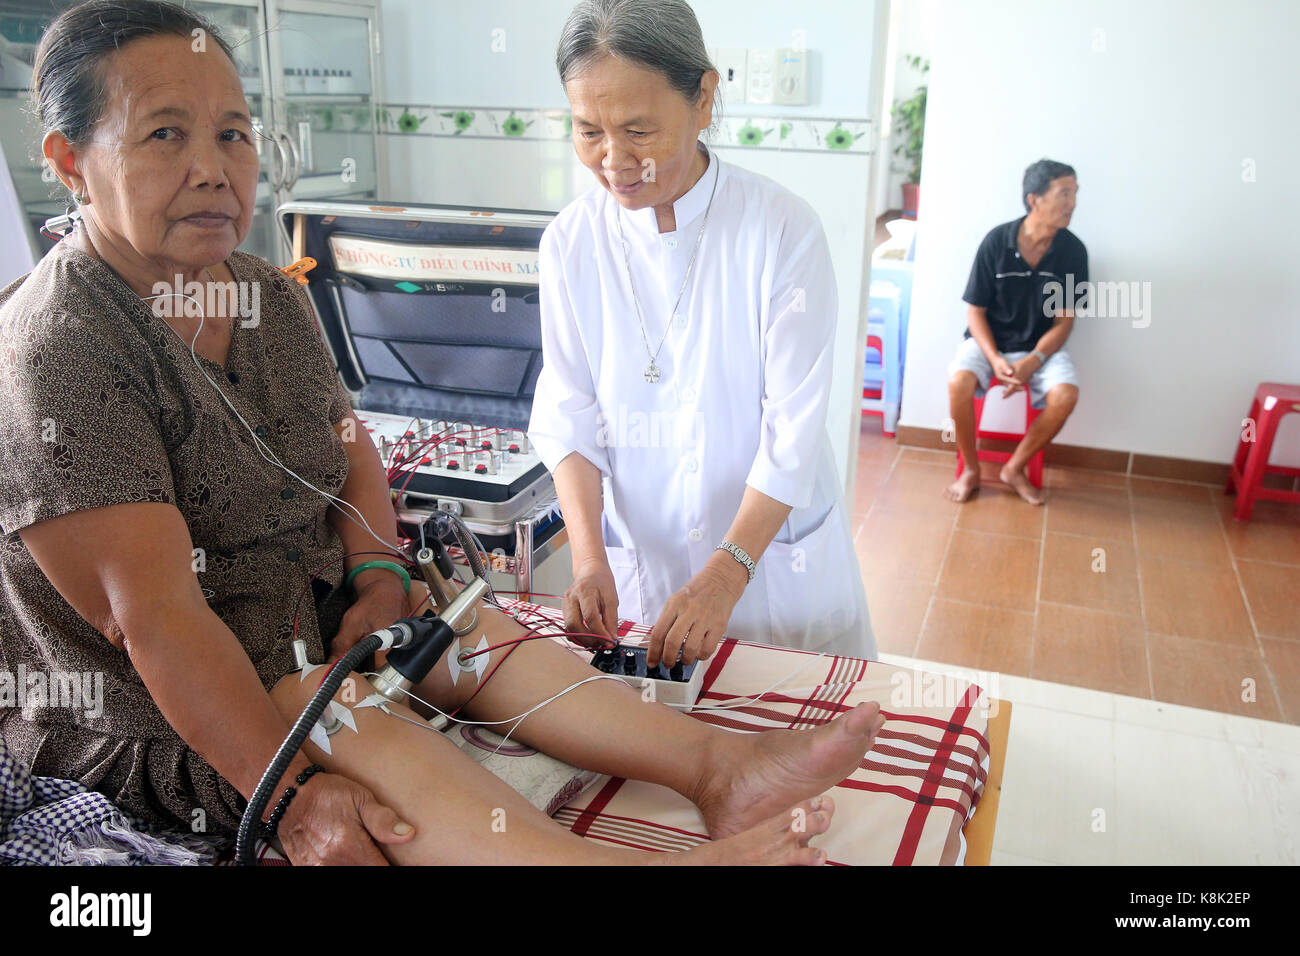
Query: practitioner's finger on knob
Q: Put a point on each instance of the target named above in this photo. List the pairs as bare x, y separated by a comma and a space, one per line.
675, 640
593, 621
609, 605
655, 643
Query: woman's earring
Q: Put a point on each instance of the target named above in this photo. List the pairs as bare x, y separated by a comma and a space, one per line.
80, 198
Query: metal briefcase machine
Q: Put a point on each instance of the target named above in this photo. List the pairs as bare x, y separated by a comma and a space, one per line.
433, 317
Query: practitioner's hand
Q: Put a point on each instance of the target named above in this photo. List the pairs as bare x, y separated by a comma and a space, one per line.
591, 604
334, 821
379, 602
695, 618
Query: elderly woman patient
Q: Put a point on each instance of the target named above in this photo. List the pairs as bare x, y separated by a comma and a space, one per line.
149, 534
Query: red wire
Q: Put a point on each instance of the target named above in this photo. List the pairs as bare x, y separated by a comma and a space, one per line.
531, 635
415, 455
417, 449
514, 646
480, 687
536, 637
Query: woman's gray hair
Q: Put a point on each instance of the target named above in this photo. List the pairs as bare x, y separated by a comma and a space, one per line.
68, 91
661, 35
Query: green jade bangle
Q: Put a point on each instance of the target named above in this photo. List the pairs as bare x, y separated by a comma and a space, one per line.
388, 565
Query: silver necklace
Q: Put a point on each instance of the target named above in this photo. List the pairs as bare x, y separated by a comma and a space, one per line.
652, 370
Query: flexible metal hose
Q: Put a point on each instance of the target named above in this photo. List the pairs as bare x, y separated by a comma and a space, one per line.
469, 543
284, 756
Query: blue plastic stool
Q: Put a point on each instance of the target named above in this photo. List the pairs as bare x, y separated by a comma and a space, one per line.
882, 379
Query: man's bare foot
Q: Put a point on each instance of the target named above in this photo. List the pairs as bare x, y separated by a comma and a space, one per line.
965, 486
754, 776
780, 840
1018, 480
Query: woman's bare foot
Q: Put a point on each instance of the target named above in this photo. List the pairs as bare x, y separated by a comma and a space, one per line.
753, 776
1018, 480
780, 840
965, 486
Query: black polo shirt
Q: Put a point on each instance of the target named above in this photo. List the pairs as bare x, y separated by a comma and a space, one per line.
1014, 295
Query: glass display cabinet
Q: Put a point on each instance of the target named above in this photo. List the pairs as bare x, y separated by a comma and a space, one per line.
311, 74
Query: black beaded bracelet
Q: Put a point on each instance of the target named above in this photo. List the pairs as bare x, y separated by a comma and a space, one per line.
272, 826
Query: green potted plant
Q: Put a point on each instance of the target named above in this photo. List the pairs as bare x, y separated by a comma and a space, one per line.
909, 131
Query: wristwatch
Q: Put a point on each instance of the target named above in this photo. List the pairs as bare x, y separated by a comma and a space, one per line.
739, 554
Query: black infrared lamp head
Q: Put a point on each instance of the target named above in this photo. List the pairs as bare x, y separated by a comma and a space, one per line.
416, 660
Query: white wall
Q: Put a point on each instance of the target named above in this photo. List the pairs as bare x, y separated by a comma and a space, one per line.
445, 47
1157, 105
912, 34
463, 69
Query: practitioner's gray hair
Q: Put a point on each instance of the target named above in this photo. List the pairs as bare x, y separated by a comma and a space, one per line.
661, 35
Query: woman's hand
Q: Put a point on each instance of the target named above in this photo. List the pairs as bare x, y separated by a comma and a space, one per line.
591, 604
417, 602
379, 602
334, 821
695, 618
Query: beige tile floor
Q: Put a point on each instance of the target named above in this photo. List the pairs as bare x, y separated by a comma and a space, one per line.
1131, 586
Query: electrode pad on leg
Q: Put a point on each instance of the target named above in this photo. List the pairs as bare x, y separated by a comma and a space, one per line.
476, 664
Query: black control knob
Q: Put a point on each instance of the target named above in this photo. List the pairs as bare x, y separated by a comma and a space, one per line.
676, 672
629, 663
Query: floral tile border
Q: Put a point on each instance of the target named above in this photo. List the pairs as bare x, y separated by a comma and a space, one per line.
752, 132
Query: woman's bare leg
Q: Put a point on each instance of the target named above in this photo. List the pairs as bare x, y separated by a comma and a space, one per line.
736, 780
463, 814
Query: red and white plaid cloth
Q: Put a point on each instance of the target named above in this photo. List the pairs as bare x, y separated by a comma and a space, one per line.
905, 804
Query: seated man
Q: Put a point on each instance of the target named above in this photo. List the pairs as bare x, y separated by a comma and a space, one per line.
1017, 329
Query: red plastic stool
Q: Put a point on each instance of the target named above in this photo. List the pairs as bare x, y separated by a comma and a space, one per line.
1272, 401
877, 391
1035, 463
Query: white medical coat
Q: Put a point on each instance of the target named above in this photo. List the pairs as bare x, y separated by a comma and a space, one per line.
742, 398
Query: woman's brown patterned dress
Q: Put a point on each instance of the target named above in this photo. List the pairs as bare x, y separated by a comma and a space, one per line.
101, 403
